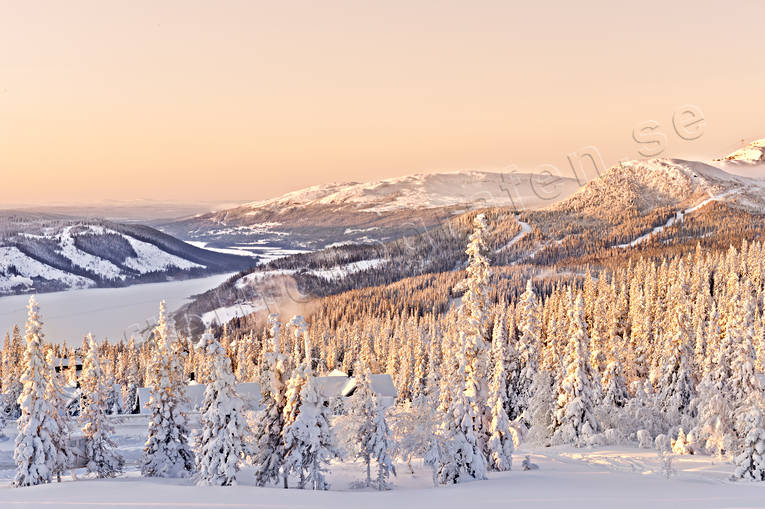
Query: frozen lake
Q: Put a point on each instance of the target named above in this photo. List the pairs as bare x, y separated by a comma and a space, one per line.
111, 313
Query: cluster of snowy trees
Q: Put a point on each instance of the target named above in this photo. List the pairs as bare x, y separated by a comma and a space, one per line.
667, 352
291, 437
43, 448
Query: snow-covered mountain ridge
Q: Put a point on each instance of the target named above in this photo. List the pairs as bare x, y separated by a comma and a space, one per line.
45, 253
753, 153
429, 190
644, 185
748, 161
353, 213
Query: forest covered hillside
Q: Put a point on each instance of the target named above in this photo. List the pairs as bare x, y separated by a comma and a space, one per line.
639, 208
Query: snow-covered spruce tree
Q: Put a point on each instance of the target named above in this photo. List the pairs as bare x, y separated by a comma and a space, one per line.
615, 395
675, 384
750, 463
500, 443
167, 452
268, 454
462, 460
575, 420
541, 410
13, 351
55, 397
35, 451
744, 388
309, 441
300, 330
132, 379
381, 449
474, 323
100, 449
372, 435
528, 346
221, 443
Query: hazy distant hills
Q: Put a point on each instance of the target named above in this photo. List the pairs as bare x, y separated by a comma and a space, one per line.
44, 252
121, 211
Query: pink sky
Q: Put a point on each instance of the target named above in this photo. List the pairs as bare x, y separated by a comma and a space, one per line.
227, 101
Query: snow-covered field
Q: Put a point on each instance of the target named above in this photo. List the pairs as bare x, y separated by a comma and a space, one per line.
111, 313
604, 477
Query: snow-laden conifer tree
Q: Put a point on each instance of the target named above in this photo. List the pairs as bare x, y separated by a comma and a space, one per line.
61, 432
462, 459
100, 449
132, 379
221, 443
35, 451
474, 323
309, 441
750, 462
541, 410
615, 393
575, 419
371, 434
167, 452
675, 385
268, 454
500, 442
744, 389
528, 346
13, 351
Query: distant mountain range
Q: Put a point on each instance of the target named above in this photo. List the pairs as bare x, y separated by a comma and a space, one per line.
335, 237
352, 213
42, 252
642, 208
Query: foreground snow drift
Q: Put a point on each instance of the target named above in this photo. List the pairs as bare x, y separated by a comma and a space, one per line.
620, 477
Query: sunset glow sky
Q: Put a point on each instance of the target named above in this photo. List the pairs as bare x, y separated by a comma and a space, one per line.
230, 101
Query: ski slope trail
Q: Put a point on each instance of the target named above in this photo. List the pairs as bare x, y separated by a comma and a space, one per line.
678, 218
525, 230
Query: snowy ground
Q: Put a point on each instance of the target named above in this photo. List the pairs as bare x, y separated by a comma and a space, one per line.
605, 477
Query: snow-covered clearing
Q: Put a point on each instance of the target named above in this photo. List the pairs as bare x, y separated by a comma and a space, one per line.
605, 477
265, 253
150, 258
225, 314
678, 218
336, 272
229, 250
